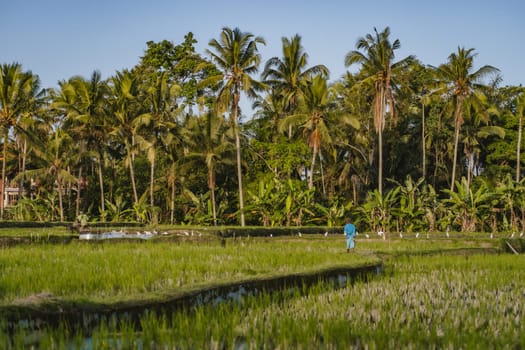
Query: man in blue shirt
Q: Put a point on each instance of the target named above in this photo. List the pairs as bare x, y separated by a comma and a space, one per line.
350, 232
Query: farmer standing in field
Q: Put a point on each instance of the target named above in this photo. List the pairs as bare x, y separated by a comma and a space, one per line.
350, 232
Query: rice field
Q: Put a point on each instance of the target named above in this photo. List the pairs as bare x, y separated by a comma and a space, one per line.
421, 301
104, 271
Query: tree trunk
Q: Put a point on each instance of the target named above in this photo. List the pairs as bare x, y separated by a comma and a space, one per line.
77, 202
172, 199
423, 145
211, 186
312, 165
238, 147
60, 202
151, 182
518, 148
457, 126
6, 135
101, 183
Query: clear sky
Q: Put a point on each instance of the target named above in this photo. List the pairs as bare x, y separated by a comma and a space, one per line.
58, 39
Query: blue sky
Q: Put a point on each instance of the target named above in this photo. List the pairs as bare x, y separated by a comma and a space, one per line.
58, 39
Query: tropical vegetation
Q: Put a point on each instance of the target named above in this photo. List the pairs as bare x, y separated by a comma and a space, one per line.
395, 143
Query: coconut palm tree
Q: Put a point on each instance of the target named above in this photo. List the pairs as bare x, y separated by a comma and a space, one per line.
158, 121
208, 145
477, 126
54, 156
17, 88
379, 70
83, 103
125, 107
313, 117
237, 57
286, 75
460, 82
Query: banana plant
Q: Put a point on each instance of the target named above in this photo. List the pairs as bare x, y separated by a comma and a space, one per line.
470, 208
379, 209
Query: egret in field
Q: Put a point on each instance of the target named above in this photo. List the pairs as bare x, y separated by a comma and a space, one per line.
400, 235
492, 235
448, 229
512, 235
521, 234
326, 234
366, 235
300, 234
417, 234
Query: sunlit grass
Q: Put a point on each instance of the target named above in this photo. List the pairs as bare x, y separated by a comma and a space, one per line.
474, 301
104, 271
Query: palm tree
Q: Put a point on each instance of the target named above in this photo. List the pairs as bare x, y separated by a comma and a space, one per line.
520, 110
237, 57
54, 156
378, 69
157, 123
287, 74
208, 144
477, 126
16, 88
316, 110
460, 82
125, 109
83, 103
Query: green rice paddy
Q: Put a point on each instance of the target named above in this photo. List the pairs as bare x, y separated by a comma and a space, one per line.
447, 293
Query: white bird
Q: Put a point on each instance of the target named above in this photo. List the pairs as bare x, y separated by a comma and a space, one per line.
192, 233
186, 233
164, 233
512, 235
521, 234
366, 235
448, 235
300, 234
271, 235
380, 233
400, 235
326, 234
417, 234
492, 235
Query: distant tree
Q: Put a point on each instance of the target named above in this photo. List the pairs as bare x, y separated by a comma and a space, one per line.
288, 74
460, 81
237, 57
378, 69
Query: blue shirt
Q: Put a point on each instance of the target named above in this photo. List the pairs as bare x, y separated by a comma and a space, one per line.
349, 230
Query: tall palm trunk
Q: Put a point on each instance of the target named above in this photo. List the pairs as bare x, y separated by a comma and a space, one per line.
457, 126
236, 97
151, 181
6, 135
312, 166
132, 174
60, 201
171, 183
211, 186
379, 124
423, 145
101, 182
518, 148
77, 202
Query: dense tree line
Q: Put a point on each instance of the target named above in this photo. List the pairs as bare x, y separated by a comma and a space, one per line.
398, 144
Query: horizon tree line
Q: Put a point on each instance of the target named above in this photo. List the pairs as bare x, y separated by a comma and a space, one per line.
398, 144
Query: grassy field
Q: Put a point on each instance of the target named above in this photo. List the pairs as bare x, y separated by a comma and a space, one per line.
434, 293
106, 271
